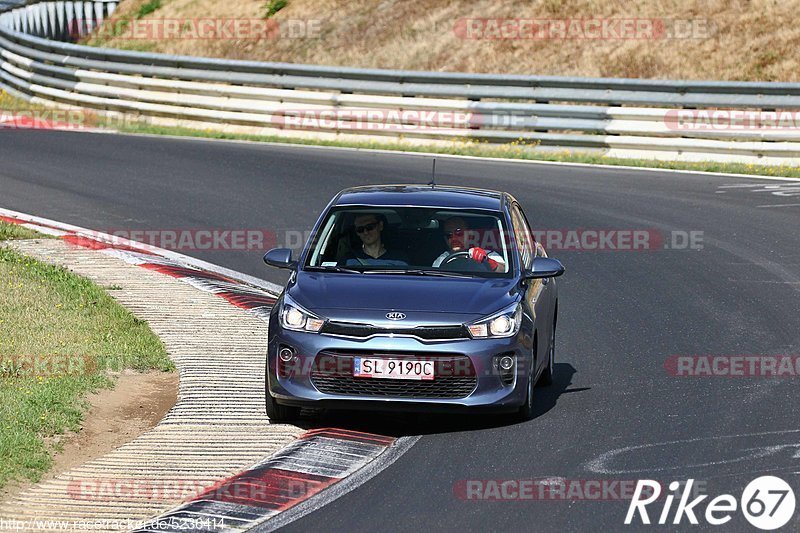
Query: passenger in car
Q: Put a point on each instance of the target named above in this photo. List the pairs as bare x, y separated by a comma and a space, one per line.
369, 228
456, 231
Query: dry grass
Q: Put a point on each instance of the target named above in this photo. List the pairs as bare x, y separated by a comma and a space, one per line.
750, 40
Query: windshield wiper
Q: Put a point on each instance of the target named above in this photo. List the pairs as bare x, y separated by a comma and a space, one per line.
420, 272
334, 269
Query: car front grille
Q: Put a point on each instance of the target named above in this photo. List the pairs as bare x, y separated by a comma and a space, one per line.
454, 377
362, 331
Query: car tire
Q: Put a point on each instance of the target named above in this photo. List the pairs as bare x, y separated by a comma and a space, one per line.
280, 413
547, 374
526, 411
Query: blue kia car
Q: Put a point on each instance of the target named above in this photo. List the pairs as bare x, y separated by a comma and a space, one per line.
414, 297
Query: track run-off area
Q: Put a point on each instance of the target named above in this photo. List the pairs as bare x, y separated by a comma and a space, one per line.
715, 276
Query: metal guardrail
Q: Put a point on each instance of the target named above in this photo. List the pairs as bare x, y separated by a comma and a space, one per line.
625, 117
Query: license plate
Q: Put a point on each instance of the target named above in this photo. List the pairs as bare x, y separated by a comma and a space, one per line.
365, 367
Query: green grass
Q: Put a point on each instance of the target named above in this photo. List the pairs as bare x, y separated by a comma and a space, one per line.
9, 103
148, 8
273, 6
60, 335
137, 46
16, 106
10, 232
513, 150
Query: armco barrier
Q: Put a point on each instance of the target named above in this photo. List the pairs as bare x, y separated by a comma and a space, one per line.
619, 117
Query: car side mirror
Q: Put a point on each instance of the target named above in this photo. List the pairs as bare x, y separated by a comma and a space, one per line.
544, 267
280, 258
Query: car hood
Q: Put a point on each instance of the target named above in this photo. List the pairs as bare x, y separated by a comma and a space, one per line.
348, 294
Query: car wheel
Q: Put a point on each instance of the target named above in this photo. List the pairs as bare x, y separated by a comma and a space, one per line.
547, 374
280, 413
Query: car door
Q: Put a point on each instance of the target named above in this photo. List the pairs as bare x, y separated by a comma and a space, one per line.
549, 291
536, 303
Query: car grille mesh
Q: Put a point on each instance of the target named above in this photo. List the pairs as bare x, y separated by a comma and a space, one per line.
332, 373
422, 332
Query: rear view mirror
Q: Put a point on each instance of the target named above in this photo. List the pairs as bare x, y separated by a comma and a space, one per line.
544, 267
280, 258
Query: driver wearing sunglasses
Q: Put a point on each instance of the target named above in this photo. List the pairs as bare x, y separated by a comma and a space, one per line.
455, 233
372, 251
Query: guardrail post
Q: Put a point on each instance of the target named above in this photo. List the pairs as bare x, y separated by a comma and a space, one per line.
78, 27
17, 20
69, 17
36, 21
24, 20
51, 20
61, 32
98, 14
42, 16
87, 13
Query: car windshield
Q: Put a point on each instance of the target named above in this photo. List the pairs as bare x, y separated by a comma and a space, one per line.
412, 241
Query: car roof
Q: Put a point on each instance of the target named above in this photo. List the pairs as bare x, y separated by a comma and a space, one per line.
422, 196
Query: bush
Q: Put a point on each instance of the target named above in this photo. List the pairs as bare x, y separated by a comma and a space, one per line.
148, 8
273, 6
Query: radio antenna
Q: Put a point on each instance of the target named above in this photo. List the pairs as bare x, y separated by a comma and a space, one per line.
433, 174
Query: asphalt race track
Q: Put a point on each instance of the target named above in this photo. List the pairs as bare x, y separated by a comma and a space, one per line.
615, 413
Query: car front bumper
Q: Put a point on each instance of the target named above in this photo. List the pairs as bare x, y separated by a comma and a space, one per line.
492, 391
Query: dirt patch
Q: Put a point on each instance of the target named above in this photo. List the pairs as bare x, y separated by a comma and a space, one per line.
136, 404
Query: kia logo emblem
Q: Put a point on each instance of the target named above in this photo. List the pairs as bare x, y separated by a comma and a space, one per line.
395, 316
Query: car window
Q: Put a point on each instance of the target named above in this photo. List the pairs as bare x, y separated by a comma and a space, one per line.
403, 238
522, 234
538, 249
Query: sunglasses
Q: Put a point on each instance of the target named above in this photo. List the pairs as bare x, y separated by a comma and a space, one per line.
368, 227
456, 232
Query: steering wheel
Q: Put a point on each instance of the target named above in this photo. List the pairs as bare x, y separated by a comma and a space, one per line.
458, 256
469, 264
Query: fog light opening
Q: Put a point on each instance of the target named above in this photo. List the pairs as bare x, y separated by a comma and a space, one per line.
286, 354
506, 366
506, 363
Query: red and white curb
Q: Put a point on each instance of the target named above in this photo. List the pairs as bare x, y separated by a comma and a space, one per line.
314, 462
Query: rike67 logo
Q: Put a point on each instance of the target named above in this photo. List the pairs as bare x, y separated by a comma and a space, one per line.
767, 503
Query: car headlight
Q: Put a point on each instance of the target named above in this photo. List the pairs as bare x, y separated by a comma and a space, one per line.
295, 318
503, 324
